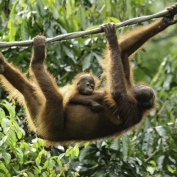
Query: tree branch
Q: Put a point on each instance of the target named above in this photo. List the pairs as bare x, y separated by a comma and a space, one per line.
83, 33
146, 160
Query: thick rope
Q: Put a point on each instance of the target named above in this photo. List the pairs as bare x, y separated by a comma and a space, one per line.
83, 33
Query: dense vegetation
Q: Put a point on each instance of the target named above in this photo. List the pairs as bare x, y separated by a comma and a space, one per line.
148, 151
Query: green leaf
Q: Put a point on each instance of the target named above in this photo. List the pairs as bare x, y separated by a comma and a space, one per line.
161, 130
55, 12
108, 6
29, 174
3, 170
147, 142
61, 156
115, 144
160, 161
69, 52
74, 25
38, 161
125, 144
11, 22
167, 81
41, 7
69, 7
2, 114
19, 154
170, 169
19, 135
151, 169
98, 57
69, 151
92, 27
76, 150
46, 164
24, 31
3, 140
5, 123
6, 157
82, 16
88, 150
52, 163
112, 19
10, 108
86, 62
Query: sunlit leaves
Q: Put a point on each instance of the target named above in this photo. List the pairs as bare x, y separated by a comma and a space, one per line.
3, 170
27, 154
146, 151
2, 114
69, 7
11, 23
17, 157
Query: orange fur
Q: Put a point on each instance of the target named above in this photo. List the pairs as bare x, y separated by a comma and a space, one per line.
55, 119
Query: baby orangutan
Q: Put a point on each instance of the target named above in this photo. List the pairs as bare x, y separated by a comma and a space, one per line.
85, 85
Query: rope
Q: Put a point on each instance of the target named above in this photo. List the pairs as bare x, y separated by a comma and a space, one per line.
83, 33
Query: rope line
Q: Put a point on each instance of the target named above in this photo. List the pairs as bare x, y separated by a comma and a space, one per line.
83, 33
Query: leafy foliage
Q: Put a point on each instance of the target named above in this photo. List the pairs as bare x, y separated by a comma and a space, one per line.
28, 159
148, 151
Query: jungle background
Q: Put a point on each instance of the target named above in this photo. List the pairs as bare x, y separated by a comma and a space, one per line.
150, 150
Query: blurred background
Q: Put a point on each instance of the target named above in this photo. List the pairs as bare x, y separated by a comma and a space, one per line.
150, 150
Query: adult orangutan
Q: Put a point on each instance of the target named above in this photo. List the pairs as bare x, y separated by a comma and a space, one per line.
123, 103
